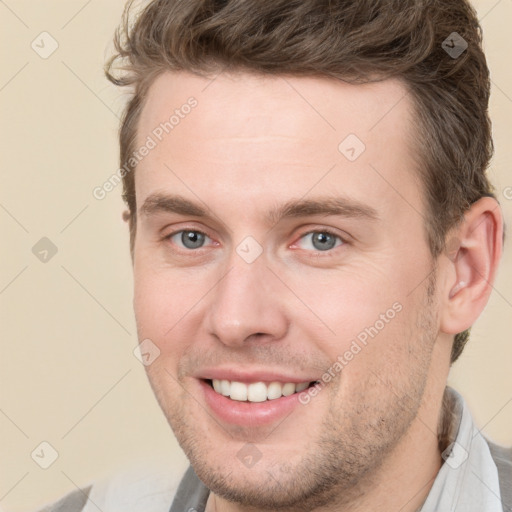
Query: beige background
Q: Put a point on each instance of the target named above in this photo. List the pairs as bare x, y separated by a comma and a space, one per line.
68, 374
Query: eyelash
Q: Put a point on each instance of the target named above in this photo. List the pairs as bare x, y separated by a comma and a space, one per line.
316, 254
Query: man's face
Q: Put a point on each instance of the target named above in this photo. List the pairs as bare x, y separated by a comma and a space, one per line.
270, 287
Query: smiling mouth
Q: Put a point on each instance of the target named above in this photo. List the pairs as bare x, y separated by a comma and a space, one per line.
257, 391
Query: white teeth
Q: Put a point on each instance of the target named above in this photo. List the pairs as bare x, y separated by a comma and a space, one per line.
301, 387
238, 391
217, 385
257, 391
275, 390
288, 389
225, 387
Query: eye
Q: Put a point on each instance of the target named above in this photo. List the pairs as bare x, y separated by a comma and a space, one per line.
189, 239
320, 241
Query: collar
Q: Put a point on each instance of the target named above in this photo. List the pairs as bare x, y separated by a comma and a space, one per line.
468, 479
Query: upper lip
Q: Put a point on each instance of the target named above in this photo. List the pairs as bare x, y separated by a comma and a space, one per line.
252, 375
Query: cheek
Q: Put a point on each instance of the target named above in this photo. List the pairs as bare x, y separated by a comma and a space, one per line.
344, 302
362, 317
163, 302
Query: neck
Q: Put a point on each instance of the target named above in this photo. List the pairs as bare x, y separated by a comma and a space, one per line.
406, 477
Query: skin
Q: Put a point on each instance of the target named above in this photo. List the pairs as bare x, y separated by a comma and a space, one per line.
368, 440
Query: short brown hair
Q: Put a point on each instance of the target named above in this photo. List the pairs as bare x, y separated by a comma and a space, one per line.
355, 41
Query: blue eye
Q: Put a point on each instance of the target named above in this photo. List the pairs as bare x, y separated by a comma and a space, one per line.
321, 240
189, 239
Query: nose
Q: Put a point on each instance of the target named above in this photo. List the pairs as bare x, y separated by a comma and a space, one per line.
246, 304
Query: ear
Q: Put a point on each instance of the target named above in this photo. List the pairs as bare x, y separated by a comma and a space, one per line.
473, 250
126, 216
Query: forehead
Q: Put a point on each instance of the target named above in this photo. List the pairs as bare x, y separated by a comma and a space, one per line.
254, 131
275, 101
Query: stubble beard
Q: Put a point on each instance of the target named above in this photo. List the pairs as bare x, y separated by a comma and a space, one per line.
344, 462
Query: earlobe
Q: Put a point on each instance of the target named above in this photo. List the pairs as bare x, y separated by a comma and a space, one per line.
126, 216
473, 252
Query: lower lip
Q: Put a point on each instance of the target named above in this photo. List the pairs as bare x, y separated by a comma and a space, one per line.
251, 414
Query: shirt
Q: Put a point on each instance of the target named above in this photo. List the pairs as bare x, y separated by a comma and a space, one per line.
468, 480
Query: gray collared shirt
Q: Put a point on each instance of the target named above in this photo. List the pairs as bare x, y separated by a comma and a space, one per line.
467, 481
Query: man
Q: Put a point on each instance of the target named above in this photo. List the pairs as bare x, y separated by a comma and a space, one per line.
313, 234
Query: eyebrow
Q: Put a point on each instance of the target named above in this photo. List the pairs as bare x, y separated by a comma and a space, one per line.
339, 206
